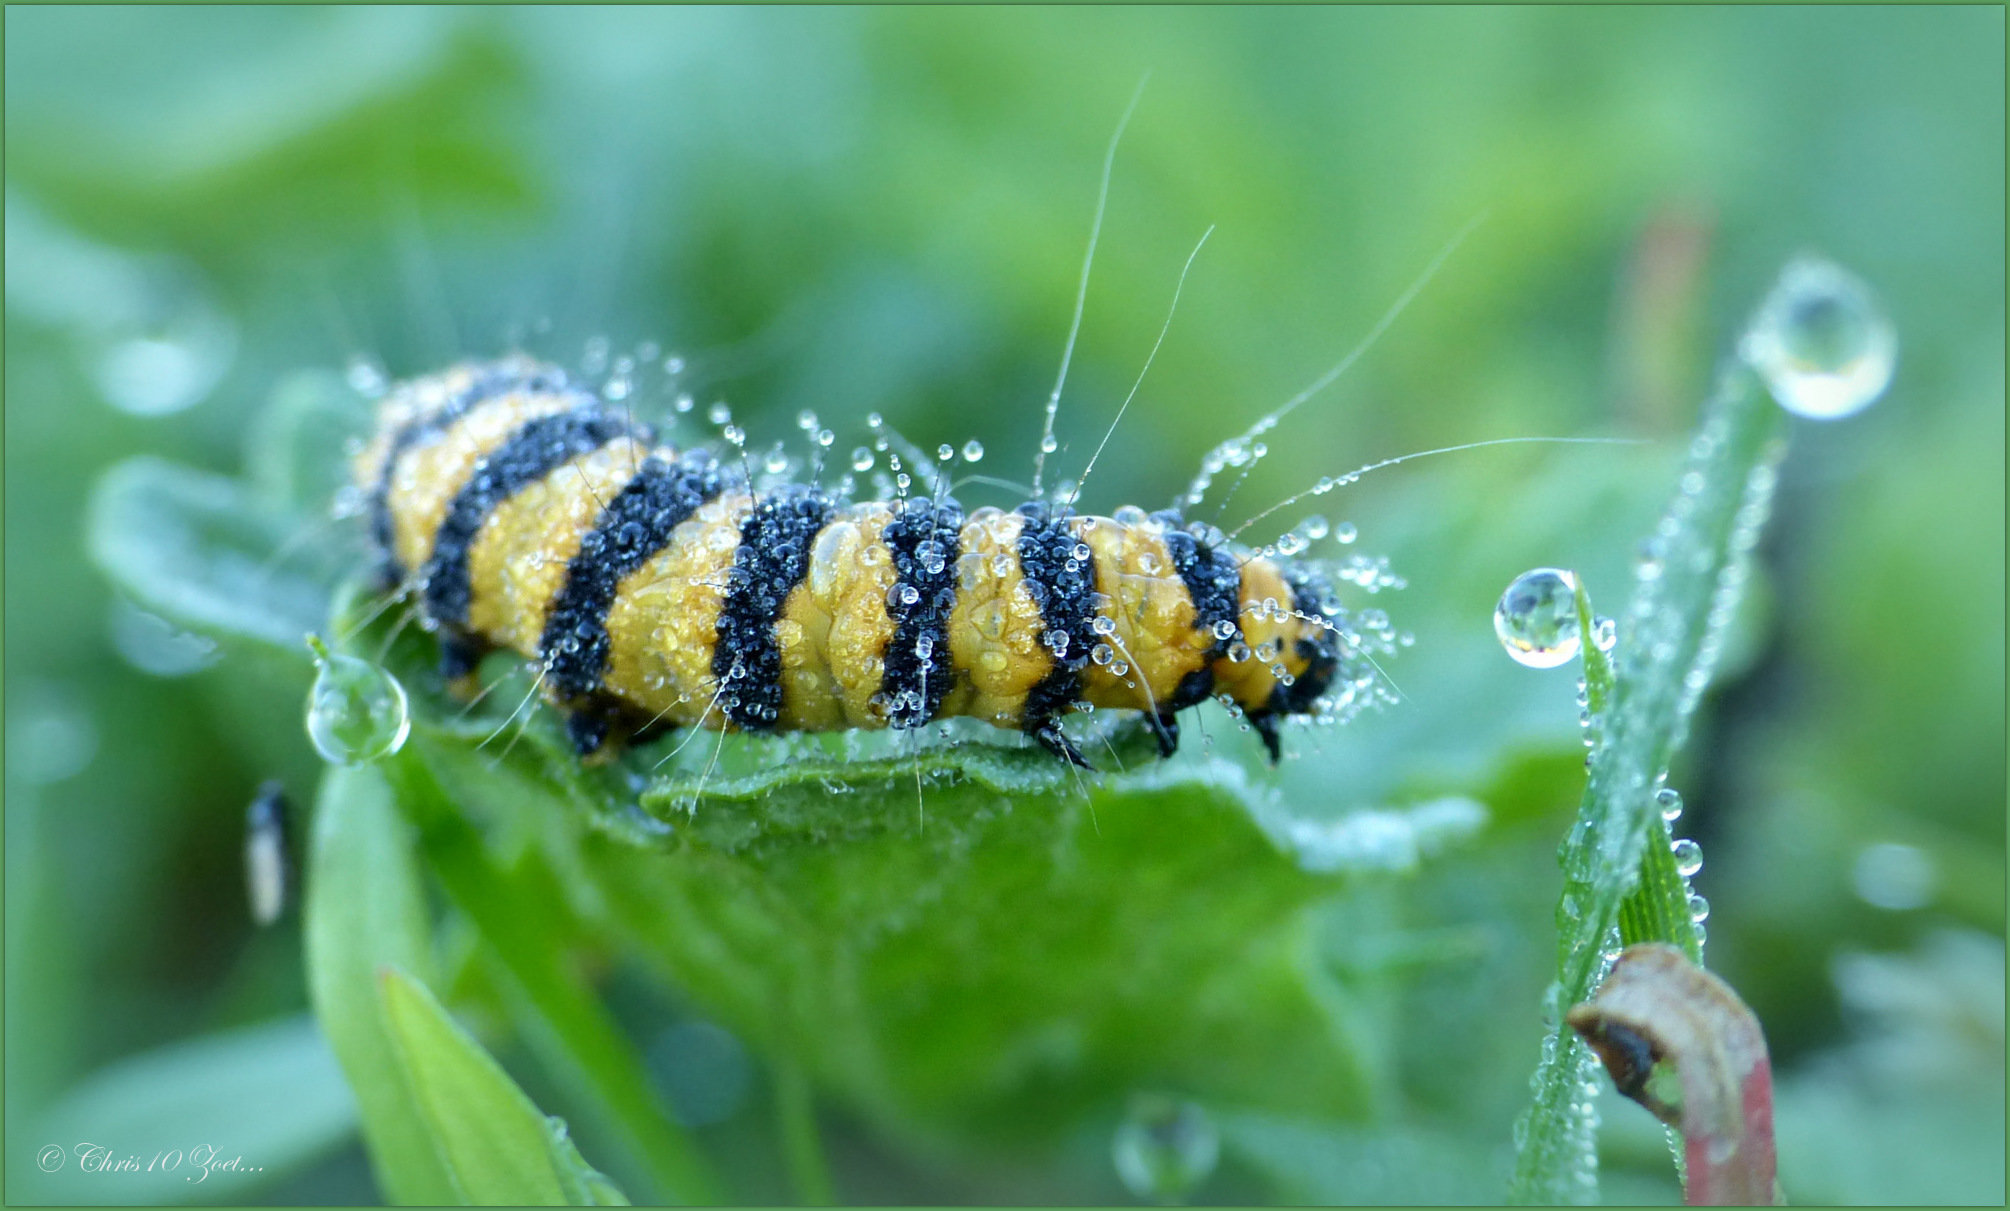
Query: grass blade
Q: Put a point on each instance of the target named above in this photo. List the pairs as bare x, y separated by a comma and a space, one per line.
1688, 585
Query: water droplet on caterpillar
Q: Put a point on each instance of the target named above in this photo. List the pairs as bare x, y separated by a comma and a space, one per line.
356, 712
1536, 618
1821, 342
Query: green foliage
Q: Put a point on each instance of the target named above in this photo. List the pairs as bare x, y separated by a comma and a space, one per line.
496, 1148
367, 915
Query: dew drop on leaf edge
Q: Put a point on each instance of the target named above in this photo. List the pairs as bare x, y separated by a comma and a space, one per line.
1536, 618
356, 712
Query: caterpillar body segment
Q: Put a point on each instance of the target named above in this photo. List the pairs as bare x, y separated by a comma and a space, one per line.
655, 588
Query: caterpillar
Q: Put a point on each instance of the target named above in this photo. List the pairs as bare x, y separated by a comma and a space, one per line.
660, 588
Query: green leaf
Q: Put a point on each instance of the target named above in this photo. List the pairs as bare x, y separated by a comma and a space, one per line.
521, 915
1658, 909
497, 1148
200, 550
288, 444
209, 1119
1016, 961
366, 911
1687, 591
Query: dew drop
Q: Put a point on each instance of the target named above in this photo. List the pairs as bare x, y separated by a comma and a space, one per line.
861, 459
1688, 857
1604, 633
356, 712
1892, 876
365, 377
1536, 618
1670, 802
1699, 909
1821, 342
1345, 533
1164, 1148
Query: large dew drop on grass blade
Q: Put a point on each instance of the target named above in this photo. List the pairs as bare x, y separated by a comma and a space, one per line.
1536, 618
1821, 343
356, 712
1164, 1148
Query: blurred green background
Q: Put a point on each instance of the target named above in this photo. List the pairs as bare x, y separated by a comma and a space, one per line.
885, 210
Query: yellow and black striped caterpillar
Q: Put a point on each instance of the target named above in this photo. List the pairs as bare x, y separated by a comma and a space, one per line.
659, 588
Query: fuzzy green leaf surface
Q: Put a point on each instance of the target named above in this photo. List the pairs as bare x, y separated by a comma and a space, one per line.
966, 962
496, 1146
1687, 587
201, 551
366, 911
521, 915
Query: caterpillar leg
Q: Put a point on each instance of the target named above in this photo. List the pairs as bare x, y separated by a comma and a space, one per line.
587, 728
1265, 724
1165, 725
460, 655
1056, 742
